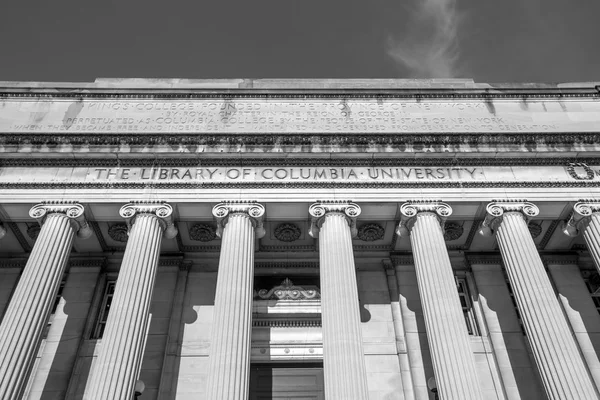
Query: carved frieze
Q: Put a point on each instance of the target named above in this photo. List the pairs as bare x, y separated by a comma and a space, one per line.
287, 232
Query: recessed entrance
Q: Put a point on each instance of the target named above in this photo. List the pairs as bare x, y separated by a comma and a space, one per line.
299, 381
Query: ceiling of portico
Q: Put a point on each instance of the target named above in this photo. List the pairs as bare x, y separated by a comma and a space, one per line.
287, 226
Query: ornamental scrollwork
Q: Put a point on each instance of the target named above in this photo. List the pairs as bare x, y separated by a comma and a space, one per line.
288, 291
287, 232
452, 231
319, 210
581, 216
497, 208
252, 209
162, 211
203, 232
71, 209
411, 209
370, 232
118, 232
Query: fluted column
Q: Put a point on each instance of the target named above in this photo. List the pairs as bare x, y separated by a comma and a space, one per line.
118, 364
334, 224
586, 218
451, 353
238, 225
29, 308
557, 356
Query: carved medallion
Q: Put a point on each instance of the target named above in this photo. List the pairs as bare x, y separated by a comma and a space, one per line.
574, 170
287, 232
33, 231
535, 229
370, 232
452, 231
203, 232
118, 232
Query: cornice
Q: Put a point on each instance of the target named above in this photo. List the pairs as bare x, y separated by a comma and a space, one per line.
232, 139
367, 161
348, 93
292, 185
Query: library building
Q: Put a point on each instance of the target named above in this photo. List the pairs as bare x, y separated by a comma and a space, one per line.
299, 239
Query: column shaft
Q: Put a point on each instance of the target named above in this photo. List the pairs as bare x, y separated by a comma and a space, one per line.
229, 363
116, 370
591, 235
343, 355
29, 308
558, 358
451, 352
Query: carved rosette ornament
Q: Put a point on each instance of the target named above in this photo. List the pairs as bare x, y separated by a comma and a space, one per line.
119, 232
581, 217
535, 229
73, 210
161, 210
203, 232
287, 232
252, 209
452, 231
370, 232
319, 210
33, 231
411, 209
498, 208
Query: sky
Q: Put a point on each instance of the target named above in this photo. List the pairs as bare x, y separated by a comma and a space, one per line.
486, 40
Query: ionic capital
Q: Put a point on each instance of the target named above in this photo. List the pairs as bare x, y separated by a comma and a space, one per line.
411, 209
581, 217
254, 210
161, 210
497, 208
71, 209
321, 208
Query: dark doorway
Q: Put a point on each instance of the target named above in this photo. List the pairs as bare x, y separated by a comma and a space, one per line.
299, 381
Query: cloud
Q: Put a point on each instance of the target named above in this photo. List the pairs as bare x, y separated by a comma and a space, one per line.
429, 46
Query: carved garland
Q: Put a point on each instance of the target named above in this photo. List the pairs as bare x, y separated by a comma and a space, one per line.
288, 291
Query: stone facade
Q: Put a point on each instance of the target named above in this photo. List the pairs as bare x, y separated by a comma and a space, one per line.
287, 239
